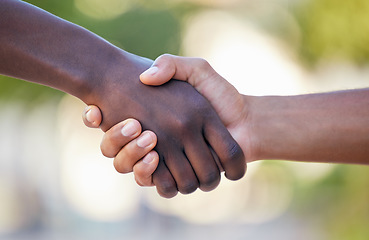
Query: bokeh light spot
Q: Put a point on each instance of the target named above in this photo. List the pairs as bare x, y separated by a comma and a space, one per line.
89, 181
103, 9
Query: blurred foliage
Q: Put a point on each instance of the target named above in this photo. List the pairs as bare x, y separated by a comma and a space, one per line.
338, 203
143, 32
325, 29
28, 93
141, 29
334, 29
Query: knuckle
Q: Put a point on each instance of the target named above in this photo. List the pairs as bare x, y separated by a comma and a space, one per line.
165, 57
235, 175
167, 189
143, 181
188, 187
210, 181
202, 63
104, 149
138, 182
139, 172
204, 69
164, 182
233, 153
142, 174
115, 136
120, 167
183, 124
108, 144
234, 162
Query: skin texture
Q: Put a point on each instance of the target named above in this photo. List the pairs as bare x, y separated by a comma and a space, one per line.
324, 127
39, 47
127, 154
327, 127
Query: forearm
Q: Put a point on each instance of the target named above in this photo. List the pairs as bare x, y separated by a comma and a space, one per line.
329, 127
39, 47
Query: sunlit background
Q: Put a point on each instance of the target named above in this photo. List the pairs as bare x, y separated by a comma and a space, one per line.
55, 184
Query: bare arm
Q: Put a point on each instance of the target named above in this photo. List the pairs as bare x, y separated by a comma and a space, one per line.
327, 127
39, 47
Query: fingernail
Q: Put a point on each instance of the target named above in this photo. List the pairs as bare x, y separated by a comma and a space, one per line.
88, 116
148, 158
151, 71
129, 129
145, 140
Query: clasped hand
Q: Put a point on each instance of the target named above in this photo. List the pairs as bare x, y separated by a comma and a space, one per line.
190, 135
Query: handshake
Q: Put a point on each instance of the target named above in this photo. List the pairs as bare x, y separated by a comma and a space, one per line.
300, 128
207, 147
190, 133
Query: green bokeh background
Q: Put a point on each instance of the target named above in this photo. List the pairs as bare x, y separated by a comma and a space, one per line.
327, 29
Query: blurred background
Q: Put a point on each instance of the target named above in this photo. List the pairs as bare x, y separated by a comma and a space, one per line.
55, 184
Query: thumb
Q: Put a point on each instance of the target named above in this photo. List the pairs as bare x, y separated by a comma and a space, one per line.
92, 116
163, 69
152, 77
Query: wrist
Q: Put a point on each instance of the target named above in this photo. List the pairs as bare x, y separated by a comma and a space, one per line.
112, 66
118, 76
281, 128
266, 126
250, 135
89, 85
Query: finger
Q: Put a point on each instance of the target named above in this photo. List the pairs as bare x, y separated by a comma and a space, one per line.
164, 181
144, 169
203, 163
199, 73
133, 151
92, 116
183, 173
216, 159
226, 148
118, 136
166, 67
